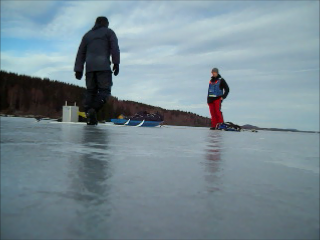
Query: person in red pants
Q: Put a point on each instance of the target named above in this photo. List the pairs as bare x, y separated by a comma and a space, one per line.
218, 91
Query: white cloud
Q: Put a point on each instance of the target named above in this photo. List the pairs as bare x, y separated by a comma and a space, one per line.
16, 9
266, 51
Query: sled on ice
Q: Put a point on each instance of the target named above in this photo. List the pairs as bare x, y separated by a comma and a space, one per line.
140, 119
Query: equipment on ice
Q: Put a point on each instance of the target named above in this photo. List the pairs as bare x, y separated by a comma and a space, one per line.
228, 126
140, 119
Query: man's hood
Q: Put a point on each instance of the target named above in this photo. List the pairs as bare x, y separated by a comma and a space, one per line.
98, 25
101, 22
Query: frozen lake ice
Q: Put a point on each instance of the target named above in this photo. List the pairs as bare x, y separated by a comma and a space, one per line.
72, 181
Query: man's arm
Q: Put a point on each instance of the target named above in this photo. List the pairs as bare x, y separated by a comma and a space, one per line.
81, 56
225, 86
114, 48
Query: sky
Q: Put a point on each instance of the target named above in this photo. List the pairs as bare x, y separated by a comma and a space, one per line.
267, 51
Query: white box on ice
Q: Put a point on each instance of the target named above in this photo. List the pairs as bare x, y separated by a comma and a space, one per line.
70, 113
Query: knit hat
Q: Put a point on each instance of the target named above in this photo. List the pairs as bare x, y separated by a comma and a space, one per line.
215, 70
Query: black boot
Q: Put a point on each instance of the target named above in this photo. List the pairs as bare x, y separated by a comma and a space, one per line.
92, 117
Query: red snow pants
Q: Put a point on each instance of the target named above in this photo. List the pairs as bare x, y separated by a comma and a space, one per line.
215, 111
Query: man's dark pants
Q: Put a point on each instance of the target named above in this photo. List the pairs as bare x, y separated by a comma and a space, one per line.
98, 89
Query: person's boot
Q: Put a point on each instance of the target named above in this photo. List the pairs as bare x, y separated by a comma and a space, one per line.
212, 128
92, 117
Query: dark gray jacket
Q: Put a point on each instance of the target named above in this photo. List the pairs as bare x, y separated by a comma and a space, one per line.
95, 50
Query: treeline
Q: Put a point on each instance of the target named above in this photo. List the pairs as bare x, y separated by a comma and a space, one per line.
23, 95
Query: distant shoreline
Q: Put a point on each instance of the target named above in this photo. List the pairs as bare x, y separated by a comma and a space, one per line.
248, 127
244, 127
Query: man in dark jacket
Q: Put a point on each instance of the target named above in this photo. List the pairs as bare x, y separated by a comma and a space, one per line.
218, 91
96, 47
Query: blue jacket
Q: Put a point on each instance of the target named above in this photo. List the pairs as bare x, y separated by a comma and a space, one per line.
214, 89
218, 87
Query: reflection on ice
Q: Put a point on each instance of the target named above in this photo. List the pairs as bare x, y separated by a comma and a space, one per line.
97, 182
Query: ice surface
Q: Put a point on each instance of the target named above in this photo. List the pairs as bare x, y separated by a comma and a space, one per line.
74, 181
